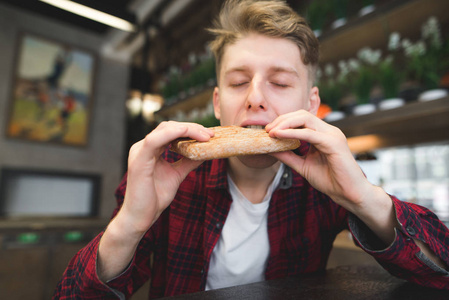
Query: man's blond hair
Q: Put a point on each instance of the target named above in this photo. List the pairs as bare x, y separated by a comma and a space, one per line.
274, 18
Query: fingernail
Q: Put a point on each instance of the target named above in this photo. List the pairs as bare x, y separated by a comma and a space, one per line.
210, 132
205, 134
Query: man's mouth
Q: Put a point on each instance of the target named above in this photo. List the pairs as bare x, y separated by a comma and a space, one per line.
255, 126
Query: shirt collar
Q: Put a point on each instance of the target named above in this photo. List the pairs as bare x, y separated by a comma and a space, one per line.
218, 175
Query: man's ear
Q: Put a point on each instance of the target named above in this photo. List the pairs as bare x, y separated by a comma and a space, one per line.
314, 100
216, 100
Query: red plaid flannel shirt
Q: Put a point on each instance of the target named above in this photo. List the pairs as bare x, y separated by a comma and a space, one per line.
302, 225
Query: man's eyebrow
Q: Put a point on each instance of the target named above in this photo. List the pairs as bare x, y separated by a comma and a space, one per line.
284, 70
276, 69
236, 69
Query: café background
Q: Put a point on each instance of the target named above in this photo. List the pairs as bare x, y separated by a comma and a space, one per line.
40, 181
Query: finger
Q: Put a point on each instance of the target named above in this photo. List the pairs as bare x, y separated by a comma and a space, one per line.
167, 132
170, 131
298, 119
283, 120
279, 120
184, 166
325, 142
292, 160
302, 134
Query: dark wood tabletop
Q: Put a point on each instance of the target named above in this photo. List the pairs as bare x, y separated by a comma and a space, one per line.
345, 282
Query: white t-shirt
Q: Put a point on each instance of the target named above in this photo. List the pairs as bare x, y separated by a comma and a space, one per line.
241, 253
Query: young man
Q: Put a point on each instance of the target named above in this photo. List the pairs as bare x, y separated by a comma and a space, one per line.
225, 222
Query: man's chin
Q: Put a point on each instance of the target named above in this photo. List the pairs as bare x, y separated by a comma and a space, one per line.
260, 161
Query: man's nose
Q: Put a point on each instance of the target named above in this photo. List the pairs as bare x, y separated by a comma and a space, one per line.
255, 99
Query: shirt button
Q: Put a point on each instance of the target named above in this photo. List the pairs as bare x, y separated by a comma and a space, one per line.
218, 225
411, 230
285, 175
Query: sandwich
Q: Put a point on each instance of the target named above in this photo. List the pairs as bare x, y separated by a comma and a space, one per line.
232, 141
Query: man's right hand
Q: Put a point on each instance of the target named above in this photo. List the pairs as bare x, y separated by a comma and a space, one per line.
151, 186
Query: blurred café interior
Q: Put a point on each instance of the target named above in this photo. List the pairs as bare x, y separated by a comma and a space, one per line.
75, 94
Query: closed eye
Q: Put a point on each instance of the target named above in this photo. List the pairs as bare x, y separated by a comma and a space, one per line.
238, 84
279, 84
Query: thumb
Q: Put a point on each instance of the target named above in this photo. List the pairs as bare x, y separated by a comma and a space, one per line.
291, 159
184, 166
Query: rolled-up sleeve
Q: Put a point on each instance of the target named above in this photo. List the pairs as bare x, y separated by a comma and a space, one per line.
80, 279
403, 258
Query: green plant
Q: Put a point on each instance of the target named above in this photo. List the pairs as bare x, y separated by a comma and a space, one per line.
208, 121
427, 58
330, 93
390, 79
198, 76
433, 63
367, 2
363, 84
340, 8
172, 87
317, 13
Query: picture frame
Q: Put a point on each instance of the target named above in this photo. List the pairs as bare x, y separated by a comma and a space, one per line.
52, 93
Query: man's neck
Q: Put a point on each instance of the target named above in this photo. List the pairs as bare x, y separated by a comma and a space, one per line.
252, 182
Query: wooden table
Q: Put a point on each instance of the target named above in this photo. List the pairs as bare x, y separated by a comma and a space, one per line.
346, 283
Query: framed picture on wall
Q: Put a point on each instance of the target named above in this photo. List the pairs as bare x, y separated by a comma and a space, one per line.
52, 93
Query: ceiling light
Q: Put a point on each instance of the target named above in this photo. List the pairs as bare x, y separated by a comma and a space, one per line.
92, 14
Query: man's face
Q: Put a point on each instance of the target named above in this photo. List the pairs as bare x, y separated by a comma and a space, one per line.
260, 79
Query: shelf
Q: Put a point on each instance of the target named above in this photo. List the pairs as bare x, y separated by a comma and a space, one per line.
373, 30
13, 224
413, 123
199, 100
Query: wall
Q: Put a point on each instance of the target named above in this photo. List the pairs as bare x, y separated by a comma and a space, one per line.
104, 152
